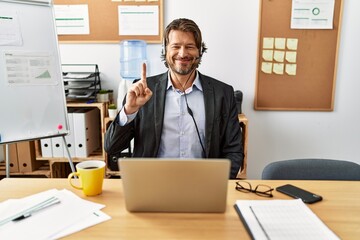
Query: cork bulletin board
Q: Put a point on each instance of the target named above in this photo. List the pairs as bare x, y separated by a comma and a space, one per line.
104, 21
306, 79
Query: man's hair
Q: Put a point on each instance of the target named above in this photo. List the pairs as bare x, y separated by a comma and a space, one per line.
184, 25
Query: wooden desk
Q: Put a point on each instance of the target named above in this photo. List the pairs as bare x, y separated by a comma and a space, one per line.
340, 211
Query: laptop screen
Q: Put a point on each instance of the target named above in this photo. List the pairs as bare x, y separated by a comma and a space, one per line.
174, 185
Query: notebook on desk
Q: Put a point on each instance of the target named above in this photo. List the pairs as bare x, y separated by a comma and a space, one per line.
174, 185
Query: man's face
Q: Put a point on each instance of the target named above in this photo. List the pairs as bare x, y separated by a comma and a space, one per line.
181, 52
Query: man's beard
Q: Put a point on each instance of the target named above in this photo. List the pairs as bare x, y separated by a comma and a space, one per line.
180, 70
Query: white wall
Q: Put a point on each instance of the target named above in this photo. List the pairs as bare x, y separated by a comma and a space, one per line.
230, 30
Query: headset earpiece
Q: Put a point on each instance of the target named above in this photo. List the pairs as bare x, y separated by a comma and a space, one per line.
163, 47
202, 49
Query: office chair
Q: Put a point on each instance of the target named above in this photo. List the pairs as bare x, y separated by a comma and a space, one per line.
312, 169
238, 98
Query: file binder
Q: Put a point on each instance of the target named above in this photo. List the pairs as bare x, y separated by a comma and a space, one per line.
26, 157
87, 131
46, 147
57, 147
70, 138
13, 158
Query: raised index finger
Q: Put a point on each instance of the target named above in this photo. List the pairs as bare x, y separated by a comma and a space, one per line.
143, 75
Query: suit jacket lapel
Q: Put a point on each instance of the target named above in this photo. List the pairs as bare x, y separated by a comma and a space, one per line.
209, 109
159, 106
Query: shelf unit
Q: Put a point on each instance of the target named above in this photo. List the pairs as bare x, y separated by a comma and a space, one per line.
43, 171
59, 166
22, 161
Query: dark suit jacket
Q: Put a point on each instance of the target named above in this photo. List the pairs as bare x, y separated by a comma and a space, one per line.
222, 136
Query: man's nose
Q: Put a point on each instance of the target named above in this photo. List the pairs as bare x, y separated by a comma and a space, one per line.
182, 51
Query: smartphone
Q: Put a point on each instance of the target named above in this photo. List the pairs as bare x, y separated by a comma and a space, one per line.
296, 192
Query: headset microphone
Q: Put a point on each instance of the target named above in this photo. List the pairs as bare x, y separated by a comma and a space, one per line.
192, 114
190, 111
196, 127
194, 59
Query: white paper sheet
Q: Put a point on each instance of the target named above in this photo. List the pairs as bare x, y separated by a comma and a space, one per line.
310, 14
30, 68
282, 219
72, 19
10, 33
138, 20
72, 214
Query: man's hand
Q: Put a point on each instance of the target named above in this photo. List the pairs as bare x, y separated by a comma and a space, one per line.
138, 94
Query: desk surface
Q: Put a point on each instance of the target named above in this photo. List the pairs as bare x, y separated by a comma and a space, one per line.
339, 210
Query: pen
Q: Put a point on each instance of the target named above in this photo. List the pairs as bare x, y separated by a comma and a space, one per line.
27, 213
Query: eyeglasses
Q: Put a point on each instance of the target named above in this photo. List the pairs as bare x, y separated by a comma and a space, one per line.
261, 189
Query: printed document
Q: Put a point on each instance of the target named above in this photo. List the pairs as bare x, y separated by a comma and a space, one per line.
281, 219
71, 215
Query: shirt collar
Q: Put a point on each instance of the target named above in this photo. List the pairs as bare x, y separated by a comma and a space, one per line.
196, 82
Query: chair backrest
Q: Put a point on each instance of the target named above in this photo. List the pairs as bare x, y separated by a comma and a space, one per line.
312, 169
238, 98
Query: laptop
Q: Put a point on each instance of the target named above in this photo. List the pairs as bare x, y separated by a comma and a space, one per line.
175, 185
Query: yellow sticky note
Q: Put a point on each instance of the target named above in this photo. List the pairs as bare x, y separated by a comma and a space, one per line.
267, 55
290, 56
268, 43
292, 43
280, 43
266, 67
278, 68
279, 56
290, 69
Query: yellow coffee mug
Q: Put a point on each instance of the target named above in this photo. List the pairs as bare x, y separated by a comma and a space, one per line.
91, 174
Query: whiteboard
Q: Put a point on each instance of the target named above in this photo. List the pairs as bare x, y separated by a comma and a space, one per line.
32, 98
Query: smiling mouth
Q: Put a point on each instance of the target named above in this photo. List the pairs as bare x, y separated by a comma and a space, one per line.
187, 59
183, 61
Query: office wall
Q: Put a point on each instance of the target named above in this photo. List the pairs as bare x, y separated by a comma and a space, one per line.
230, 30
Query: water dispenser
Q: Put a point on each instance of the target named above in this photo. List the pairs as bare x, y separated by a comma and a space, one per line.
132, 55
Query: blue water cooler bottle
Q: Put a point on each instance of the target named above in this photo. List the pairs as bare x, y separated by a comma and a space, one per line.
132, 55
